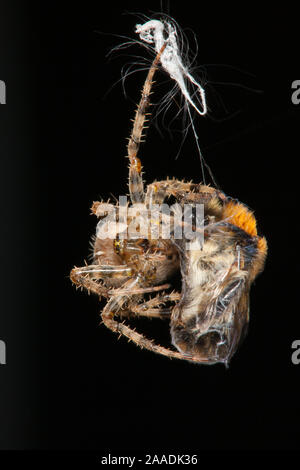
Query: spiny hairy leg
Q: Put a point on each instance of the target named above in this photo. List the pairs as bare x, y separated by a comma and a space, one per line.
152, 308
154, 312
162, 299
101, 209
138, 311
82, 280
125, 290
145, 343
136, 186
105, 271
157, 192
115, 306
86, 277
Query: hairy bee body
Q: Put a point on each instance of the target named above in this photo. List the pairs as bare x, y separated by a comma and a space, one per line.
213, 313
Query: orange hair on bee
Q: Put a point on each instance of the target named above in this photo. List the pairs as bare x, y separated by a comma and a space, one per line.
240, 216
262, 245
259, 260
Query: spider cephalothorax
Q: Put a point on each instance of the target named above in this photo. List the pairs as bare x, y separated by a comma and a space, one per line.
139, 247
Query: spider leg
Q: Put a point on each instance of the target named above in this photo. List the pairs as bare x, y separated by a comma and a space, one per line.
139, 311
154, 312
100, 209
174, 222
86, 275
158, 191
152, 308
146, 343
138, 290
81, 280
136, 185
163, 299
111, 309
104, 271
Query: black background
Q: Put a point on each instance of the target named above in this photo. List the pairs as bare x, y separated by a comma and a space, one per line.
68, 383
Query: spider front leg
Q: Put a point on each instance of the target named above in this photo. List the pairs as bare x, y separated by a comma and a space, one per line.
86, 275
81, 280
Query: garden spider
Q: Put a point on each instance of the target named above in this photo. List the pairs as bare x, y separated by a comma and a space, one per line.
209, 316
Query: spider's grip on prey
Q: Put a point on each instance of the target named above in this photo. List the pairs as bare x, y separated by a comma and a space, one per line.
216, 263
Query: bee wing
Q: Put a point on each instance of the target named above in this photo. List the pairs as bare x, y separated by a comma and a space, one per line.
226, 316
241, 320
229, 296
233, 307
